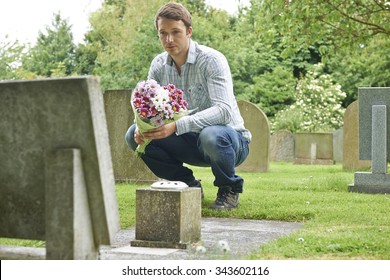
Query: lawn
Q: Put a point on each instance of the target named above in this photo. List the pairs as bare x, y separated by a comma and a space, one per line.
336, 224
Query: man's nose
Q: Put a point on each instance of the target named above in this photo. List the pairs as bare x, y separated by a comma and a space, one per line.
169, 38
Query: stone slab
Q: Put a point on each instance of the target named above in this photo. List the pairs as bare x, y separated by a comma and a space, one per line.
314, 148
282, 146
367, 98
8, 252
314, 161
127, 167
161, 244
69, 232
144, 251
351, 140
379, 139
257, 122
338, 145
47, 114
374, 183
167, 217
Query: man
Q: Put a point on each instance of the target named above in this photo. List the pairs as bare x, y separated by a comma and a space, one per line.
214, 134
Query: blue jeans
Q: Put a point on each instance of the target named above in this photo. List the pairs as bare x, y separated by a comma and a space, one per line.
219, 147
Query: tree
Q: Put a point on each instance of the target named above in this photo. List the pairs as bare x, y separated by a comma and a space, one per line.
365, 66
335, 22
10, 59
124, 41
54, 52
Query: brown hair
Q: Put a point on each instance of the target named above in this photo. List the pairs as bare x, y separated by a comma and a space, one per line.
174, 11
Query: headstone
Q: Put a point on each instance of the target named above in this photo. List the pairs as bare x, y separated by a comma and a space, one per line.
256, 121
338, 145
313, 148
351, 159
56, 172
167, 217
282, 146
127, 167
374, 126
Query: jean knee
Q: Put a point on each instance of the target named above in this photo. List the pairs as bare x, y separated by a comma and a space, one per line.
129, 138
209, 140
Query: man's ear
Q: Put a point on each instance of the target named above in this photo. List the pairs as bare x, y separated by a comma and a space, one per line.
189, 32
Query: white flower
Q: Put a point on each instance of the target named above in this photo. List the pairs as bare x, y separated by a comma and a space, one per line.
223, 246
200, 249
162, 94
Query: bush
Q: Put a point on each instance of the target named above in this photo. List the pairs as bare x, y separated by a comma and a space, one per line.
318, 105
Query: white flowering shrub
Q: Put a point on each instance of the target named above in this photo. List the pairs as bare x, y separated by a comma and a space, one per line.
317, 107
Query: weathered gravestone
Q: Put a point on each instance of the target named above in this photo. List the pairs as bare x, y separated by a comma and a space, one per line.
127, 167
374, 140
314, 148
256, 121
56, 175
350, 140
168, 215
282, 146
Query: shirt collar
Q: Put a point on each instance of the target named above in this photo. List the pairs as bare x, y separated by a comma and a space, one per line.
191, 57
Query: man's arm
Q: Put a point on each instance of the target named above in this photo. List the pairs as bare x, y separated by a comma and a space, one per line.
219, 87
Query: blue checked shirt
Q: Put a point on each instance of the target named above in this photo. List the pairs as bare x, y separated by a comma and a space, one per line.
208, 88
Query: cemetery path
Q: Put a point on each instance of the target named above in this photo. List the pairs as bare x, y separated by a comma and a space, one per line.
222, 238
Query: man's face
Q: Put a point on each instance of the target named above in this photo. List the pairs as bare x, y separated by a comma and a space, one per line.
174, 36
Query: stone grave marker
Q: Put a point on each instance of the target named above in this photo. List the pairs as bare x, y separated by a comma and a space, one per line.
351, 159
127, 167
313, 148
256, 121
56, 174
282, 146
374, 142
168, 215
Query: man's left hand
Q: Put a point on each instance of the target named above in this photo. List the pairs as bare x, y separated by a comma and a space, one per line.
161, 132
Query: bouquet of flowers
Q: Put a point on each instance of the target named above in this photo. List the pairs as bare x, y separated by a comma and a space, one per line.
155, 105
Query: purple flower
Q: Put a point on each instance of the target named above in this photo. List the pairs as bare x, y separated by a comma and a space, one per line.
156, 103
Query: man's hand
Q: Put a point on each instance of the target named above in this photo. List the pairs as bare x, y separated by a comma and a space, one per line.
138, 138
157, 133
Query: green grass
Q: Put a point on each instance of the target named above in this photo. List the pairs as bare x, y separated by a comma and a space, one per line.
336, 224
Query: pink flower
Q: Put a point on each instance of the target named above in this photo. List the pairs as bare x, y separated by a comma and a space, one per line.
156, 103
144, 112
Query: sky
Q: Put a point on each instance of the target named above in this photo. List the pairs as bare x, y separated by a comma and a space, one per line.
22, 19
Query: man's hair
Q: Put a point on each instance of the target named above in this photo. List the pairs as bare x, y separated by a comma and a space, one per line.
174, 11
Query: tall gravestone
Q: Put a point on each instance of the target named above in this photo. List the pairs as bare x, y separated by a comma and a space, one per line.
374, 140
127, 167
257, 122
351, 159
56, 175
